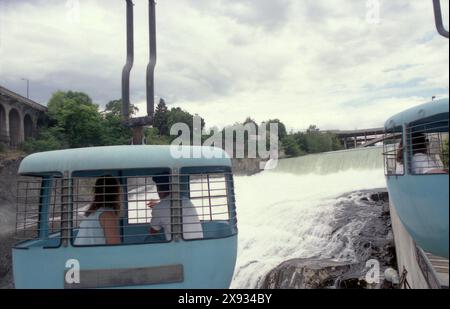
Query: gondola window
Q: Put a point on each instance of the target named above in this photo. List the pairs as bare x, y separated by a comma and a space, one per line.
428, 146
393, 152
38, 213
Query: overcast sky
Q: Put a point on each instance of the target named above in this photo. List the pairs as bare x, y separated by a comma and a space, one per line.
329, 63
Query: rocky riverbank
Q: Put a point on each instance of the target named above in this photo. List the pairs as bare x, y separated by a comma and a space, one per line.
9, 164
6, 275
373, 242
246, 166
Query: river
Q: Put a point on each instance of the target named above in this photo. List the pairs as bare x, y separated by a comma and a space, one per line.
288, 212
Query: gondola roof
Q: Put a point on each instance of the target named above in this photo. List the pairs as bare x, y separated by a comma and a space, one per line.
121, 158
419, 112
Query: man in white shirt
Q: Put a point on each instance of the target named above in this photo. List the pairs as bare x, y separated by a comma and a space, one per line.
422, 162
425, 164
161, 214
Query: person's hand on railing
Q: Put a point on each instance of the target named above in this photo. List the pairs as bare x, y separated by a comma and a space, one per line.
437, 171
152, 203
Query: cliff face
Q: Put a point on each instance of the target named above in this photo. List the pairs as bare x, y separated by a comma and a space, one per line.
306, 274
8, 187
6, 274
9, 164
246, 166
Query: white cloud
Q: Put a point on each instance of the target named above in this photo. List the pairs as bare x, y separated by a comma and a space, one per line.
303, 62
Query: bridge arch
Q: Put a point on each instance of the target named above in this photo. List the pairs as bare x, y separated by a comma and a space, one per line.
20, 118
14, 127
3, 129
28, 127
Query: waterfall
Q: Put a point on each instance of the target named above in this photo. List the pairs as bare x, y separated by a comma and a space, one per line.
333, 162
289, 212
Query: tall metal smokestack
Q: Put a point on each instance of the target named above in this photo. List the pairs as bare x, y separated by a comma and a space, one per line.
129, 64
438, 19
151, 65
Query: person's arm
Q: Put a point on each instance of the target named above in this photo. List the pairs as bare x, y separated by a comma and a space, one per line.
154, 231
436, 171
152, 203
434, 166
399, 156
110, 224
155, 222
161, 220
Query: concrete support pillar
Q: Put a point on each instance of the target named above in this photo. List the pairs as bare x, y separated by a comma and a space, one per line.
35, 125
138, 136
15, 126
22, 128
29, 125
7, 122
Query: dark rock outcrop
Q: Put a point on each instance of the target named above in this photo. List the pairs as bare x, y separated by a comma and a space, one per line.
246, 166
306, 274
373, 242
6, 275
9, 164
8, 189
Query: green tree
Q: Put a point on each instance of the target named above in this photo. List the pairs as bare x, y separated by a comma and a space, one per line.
246, 145
282, 132
113, 131
250, 120
300, 138
312, 129
160, 120
79, 118
177, 115
115, 107
52, 138
59, 100
291, 147
154, 138
316, 141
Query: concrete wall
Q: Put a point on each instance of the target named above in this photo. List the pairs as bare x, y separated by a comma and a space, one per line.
405, 248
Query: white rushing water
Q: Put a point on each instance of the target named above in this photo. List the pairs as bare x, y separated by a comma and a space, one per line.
287, 213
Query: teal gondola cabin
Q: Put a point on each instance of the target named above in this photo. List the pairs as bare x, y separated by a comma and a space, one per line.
125, 216
416, 169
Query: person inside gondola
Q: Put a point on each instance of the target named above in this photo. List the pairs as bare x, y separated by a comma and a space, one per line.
399, 165
161, 214
422, 161
101, 225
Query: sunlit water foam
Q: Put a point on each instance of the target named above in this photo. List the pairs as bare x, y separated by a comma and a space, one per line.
283, 216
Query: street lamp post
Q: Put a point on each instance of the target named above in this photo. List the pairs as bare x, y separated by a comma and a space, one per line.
28, 87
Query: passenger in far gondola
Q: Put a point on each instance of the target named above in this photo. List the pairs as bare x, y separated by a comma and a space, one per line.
399, 165
422, 161
161, 214
101, 225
